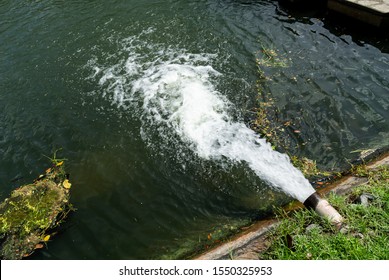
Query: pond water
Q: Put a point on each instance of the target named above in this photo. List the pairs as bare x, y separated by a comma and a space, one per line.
154, 168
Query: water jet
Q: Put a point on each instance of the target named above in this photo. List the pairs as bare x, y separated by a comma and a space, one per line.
175, 91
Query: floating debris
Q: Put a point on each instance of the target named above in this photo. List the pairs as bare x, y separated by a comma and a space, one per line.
30, 215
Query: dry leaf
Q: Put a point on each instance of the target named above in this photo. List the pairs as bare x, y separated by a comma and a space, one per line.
66, 184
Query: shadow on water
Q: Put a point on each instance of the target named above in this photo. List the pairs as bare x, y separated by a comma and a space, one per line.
361, 33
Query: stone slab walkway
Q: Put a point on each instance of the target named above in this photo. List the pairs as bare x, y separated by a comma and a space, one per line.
381, 6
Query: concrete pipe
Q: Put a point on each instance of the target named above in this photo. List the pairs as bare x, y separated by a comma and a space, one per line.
324, 209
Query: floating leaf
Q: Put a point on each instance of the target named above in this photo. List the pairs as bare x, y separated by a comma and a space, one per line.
66, 184
46, 238
59, 163
37, 246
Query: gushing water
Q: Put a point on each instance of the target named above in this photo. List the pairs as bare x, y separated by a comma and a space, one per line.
173, 92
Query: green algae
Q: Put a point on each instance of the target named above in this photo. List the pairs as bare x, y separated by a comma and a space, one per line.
32, 212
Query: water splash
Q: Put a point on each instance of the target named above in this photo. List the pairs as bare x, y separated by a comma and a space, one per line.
173, 92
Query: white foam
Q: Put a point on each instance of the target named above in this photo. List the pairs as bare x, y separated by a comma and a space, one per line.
175, 90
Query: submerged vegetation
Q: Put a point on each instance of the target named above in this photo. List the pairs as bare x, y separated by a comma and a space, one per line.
305, 235
32, 212
309, 167
266, 121
268, 57
206, 240
265, 114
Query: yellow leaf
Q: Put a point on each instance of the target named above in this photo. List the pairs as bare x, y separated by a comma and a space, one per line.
66, 184
59, 163
46, 238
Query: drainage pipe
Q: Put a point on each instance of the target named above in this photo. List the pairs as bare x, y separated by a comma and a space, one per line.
324, 209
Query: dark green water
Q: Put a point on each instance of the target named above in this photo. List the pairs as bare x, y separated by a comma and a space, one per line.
67, 70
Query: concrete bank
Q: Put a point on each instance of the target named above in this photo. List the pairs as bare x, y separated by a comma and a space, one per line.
249, 243
373, 12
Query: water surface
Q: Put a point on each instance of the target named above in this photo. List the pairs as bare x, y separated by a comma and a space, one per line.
80, 75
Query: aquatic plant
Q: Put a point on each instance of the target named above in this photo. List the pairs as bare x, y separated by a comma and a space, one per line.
267, 57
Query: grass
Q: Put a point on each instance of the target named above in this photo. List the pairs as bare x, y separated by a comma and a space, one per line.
365, 235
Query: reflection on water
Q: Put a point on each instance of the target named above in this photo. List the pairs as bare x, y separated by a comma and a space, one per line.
136, 198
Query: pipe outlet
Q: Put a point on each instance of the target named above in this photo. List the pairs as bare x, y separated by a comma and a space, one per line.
324, 209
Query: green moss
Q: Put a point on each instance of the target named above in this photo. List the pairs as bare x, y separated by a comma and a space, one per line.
31, 211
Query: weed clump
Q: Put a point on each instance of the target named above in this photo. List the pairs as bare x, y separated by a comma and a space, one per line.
32, 211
